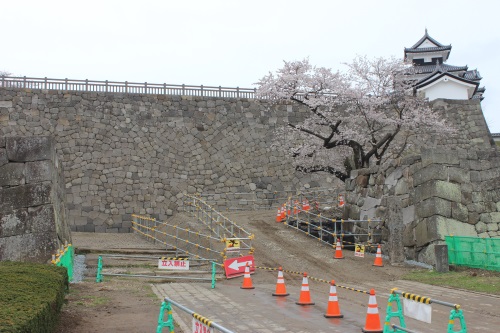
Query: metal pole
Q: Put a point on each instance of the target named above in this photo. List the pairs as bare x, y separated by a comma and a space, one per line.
211, 324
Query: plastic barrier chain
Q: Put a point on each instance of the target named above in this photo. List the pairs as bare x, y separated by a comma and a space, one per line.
315, 279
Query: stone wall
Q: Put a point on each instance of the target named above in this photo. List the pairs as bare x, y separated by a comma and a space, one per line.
127, 154
32, 208
449, 186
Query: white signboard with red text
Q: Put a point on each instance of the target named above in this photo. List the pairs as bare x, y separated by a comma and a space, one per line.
236, 266
199, 327
173, 264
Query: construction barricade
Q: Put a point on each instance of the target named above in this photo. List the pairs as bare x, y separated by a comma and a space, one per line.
64, 257
200, 323
167, 268
419, 309
321, 223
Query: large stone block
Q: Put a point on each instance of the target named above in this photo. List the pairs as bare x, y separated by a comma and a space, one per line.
32, 148
3, 156
14, 223
12, 174
42, 219
408, 214
437, 227
493, 217
459, 212
12, 198
433, 206
458, 175
439, 156
38, 194
440, 189
38, 171
430, 172
28, 247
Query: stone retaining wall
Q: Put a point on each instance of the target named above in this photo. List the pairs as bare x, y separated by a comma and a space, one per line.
127, 154
441, 193
32, 208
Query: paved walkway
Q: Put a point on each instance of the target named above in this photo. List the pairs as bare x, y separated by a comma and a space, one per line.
256, 310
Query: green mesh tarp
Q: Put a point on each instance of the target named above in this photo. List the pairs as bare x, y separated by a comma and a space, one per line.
474, 252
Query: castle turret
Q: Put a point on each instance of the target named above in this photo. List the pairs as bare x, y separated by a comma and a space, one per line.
436, 79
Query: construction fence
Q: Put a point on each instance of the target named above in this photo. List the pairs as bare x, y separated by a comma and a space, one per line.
211, 235
474, 252
154, 267
325, 223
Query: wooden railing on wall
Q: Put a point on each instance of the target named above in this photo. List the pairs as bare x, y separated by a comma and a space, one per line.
125, 87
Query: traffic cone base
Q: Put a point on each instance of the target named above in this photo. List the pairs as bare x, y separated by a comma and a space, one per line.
280, 285
334, 316
378, 258
285, 294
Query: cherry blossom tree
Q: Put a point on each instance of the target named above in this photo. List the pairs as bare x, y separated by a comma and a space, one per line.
357, 119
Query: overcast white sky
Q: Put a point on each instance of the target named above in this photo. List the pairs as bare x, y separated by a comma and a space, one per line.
234, 43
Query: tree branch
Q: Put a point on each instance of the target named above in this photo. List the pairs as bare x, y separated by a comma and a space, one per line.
318, 168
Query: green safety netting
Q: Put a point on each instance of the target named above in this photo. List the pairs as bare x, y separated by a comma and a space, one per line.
474, 252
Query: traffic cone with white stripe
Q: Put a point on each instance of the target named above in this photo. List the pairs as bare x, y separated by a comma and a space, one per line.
372, 324
333, 309
305, 205
378, 258
280, 285
278, 216
247, 280
283, 213
338, 251
305, 295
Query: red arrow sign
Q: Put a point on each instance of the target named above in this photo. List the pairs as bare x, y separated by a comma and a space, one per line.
236, 266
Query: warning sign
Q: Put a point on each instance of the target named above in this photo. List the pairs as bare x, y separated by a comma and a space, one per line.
360, 251
199, 327
232, 244
173, 264
236, 266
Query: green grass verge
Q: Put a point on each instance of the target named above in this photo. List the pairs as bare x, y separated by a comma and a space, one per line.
468, 279
31, 296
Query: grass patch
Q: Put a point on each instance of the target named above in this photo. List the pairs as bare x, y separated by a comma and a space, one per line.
31, 296
468, 279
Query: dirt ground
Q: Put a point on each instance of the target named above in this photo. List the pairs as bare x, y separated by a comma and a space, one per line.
129, 305
117, 305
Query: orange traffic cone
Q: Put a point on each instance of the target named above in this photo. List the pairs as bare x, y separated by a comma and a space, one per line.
333, 309
372, 324
278, 216
305, 205
378, 258
338, 251
280, 285
283, 213
247, 280
305, 295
